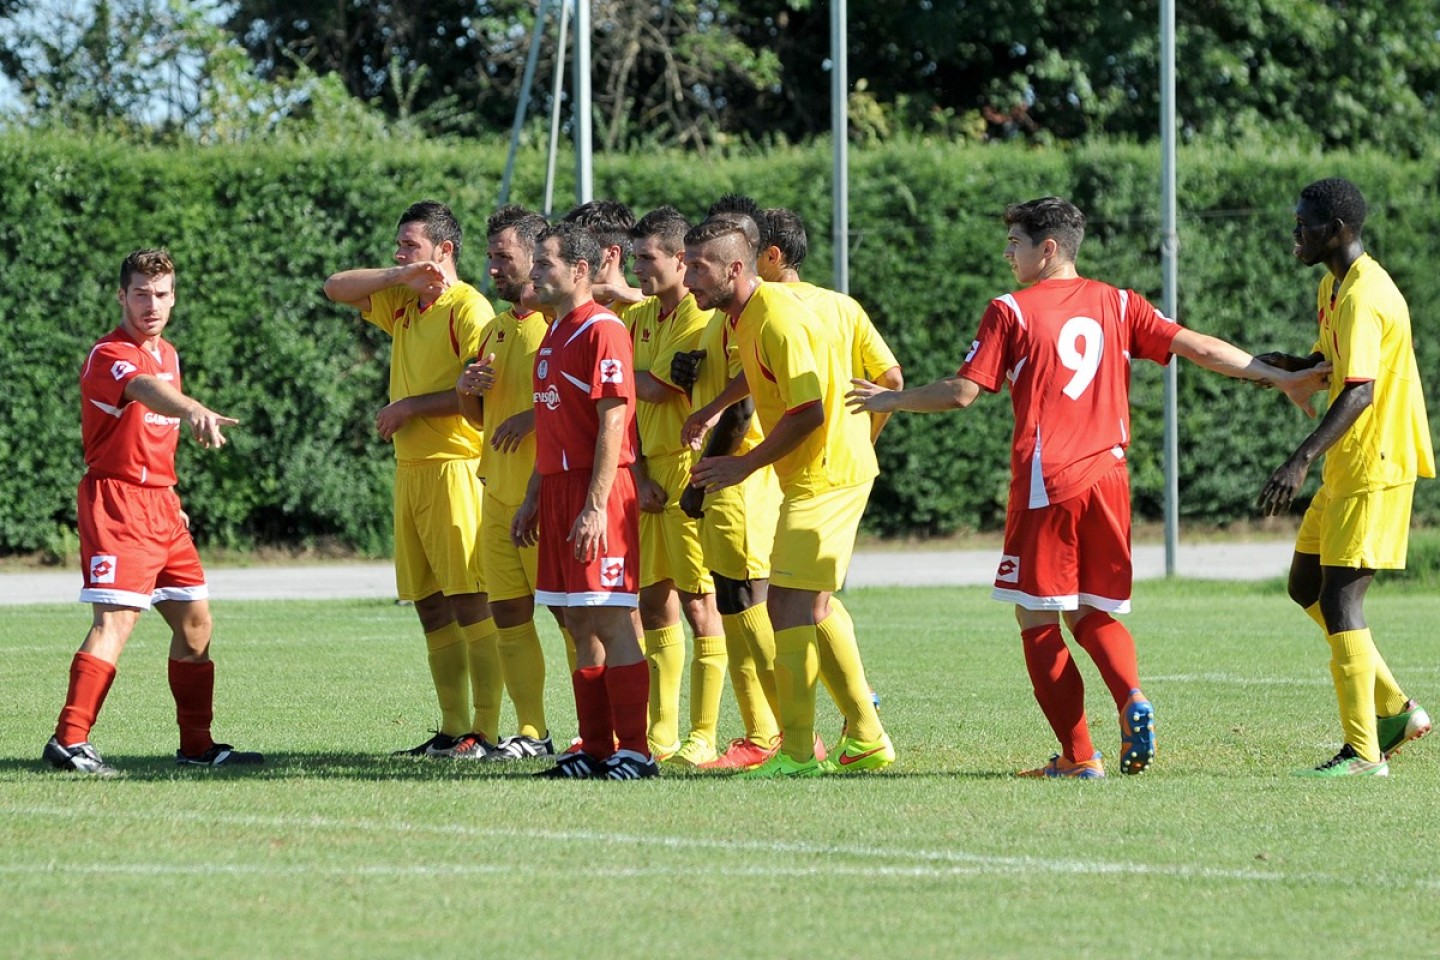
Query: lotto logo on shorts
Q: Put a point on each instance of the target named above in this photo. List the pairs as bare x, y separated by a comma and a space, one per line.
612, 371
1009, 569
102, 568
612, 571
121, 369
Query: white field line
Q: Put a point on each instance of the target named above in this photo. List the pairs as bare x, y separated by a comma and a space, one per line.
872, 861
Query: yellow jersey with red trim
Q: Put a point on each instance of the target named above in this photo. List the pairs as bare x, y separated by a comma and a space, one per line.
658, 337
514, 340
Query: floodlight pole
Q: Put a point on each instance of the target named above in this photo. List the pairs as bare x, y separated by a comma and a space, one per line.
584, 156
555, 91
522, 107
840, 134
1169, 253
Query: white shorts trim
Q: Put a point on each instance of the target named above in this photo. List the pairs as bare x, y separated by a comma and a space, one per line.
200, 591
120, 598
595, 598
1071, 601
1105, 604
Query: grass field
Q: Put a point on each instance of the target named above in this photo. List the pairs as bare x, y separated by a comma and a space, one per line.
333, 849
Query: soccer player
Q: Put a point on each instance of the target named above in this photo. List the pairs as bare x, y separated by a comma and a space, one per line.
673, 575
496, 394
435, 319
795, 367
1064, 344
609, 222
1375, 438
581, 503
134, 537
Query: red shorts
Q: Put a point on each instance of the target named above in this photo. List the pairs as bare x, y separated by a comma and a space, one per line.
1072, 553
612, 580
134, 547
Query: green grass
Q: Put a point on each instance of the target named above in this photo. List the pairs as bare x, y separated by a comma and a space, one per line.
333, 849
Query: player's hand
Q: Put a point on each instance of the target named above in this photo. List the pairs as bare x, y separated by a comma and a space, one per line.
692, 502
651, 495
185, 519
612, 293
1287, 361
685, 368
205, 426
712, 474
1284, 483
525, 526
391, 418
587, 534
1303, 384
478, 377
699, 423
426, 278
870, 397
512, 432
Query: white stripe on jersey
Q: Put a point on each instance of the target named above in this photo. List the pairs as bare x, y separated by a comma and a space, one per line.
1009, 301
588, 323
576, 381
1039, 496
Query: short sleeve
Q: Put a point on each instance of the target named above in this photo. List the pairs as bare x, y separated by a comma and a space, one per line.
472, 320
109, 371
1358, 332
1151, 332
612, 371
875, 354
386, 307
790, 360
989, 355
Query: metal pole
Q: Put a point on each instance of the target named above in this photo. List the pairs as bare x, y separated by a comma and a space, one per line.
523, 107
840, 134
1169, 254
555, 90
584, 171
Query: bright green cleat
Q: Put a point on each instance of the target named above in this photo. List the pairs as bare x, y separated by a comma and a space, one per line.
856, 756
1348, 763
694, 752
1412, 723
781, 766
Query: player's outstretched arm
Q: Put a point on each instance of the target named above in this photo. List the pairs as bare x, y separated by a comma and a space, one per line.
951, 393
356, 287
164, 399
892, 379
1223, 357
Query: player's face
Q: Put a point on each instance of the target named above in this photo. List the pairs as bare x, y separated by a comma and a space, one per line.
146, 305
1312, 234
553, 278
509, 263
412, 245
657, 270
1027, 258
708, 277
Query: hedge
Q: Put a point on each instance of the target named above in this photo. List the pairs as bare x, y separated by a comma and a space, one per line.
255, 231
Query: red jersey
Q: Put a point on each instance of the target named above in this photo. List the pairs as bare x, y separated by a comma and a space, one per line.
122, 439
1066, 346
586, 355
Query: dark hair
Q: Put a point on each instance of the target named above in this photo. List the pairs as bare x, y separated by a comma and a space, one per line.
147, 263
439, 222
576, 243
737, 228
784, 230
1337, 199
1049, 218
609, 222
527, 224
666, 225
735, 203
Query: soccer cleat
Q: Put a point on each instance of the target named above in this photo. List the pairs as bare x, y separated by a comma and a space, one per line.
81, 757
434, 747
696, 751
629, 765
1137, 734
573, 766
1058, 766
1411, 723
220, 755
781, 766
521, 747
661, 752
742, 754
857, 756
471, 746
1348, 763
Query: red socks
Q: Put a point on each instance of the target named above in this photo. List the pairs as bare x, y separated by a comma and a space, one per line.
1112, 648
592, 711
90, 679
629, 688
1059, 689
193, 687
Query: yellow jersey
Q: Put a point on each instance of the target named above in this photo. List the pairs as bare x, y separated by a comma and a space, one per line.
1365, 333
514, 340
428, 351
720, 365
657, 338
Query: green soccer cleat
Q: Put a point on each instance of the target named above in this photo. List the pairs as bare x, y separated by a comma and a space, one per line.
781, 766
1061, 768
858, 756
696, 751
1411, 723
1348, 763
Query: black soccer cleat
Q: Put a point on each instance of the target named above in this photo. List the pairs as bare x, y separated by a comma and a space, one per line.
220, 755
438, 745
80, 757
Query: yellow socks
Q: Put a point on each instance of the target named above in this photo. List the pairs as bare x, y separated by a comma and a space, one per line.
1389, 698
487, 684
844, 674
707, 682
757, 713
760, 636
797, 667
1352, 665
570, 656
449, 669
665, 653
522, 664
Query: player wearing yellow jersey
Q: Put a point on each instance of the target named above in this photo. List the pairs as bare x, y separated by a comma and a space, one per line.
1375, 438
497, 392
673, 577
434, 320
795, 368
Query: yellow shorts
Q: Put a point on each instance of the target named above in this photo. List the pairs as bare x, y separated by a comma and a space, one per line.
509, 570
738, 530
670, 541
1369, 531
437, 529
815, 538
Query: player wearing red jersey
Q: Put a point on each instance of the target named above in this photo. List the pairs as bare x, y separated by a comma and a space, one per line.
581, 506
135, 540
434, 320
1064, 344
